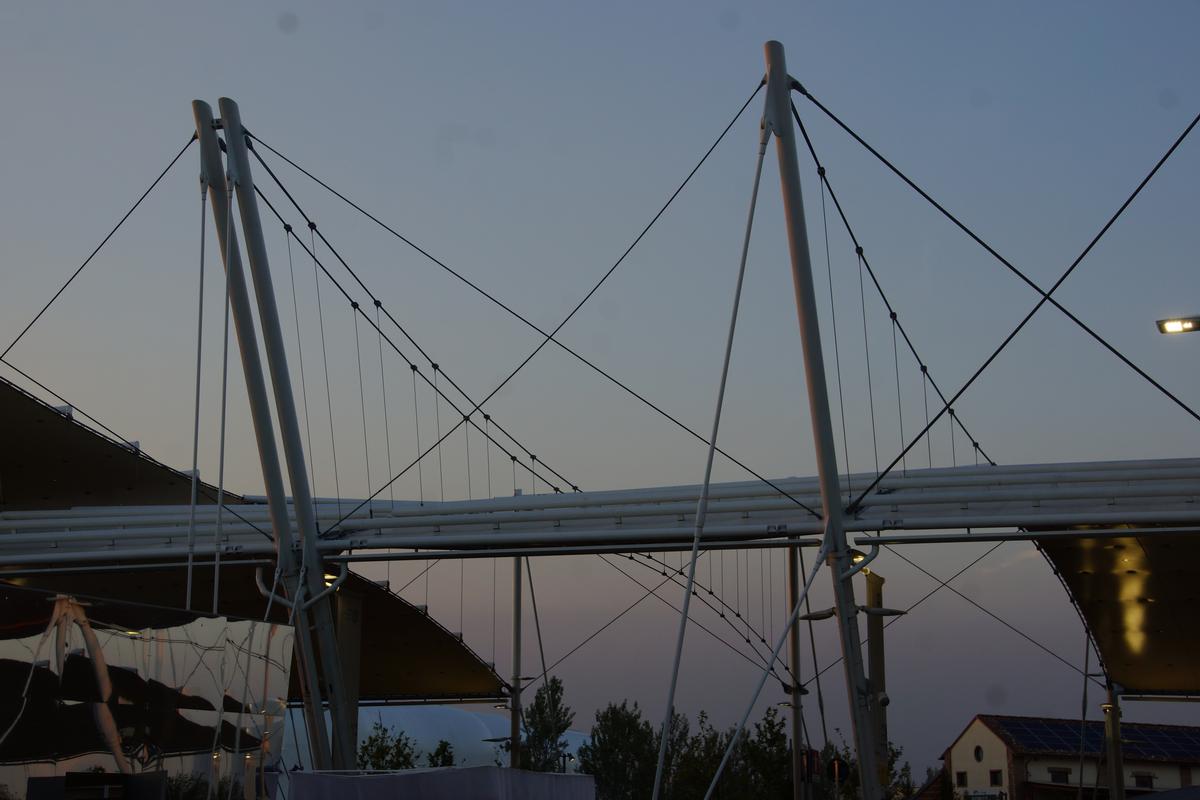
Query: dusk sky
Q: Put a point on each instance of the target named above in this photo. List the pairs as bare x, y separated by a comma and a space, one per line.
526, 145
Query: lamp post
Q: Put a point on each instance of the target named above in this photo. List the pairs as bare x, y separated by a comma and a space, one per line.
1179, 325
876, 672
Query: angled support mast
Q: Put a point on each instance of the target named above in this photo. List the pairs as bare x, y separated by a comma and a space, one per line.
778, 119
315, 642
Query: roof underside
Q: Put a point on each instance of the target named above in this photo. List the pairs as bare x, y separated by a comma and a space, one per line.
1138, 596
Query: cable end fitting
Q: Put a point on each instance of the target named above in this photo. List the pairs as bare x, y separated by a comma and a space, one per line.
312, 226
858, 250
378, 304
797, 86
287, 228
413, 367
924, 369
821, 171
354, 304
435, 367
893, 315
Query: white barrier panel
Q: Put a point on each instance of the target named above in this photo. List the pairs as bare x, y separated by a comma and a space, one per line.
477, 783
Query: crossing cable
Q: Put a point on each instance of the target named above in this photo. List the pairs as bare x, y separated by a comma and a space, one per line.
218, 528
1046, 296
945, 584
979, 606
387, 430
941, 585
196, 422
812, 643
607, 625
300, 353
337, 487
108, 433
654, 563
416, 371
437, 422
792, 618
654, 592
673, 578
417, 428
858, 249
550, 336
487, 421
537, 624
837, 350
900, 401
337, 254
379, 330
92, 255
702, 502
362, 395
862, 296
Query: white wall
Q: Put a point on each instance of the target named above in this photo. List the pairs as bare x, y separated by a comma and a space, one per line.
994, 756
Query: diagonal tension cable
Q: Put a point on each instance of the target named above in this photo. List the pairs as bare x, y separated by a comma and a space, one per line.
379, 307
1046, 296
103, 242
822, 173
550, 335
415, 370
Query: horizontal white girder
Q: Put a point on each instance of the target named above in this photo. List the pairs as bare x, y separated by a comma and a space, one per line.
1151, 492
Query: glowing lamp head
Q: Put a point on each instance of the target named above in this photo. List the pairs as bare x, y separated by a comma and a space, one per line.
1179, 325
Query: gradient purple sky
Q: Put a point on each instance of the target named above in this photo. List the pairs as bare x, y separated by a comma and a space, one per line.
526, 145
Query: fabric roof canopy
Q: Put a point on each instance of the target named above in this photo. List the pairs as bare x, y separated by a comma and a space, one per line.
50, 461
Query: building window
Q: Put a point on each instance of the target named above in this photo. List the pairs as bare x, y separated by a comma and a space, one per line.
978, 753
960, 779
1143, 781
996, 778
1060, 775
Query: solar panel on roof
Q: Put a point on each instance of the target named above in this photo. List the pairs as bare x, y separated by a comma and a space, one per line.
1061, 736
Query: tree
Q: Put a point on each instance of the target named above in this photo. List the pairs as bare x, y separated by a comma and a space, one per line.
442, 755
545, 721
385, 750
767, 756
899, 783
621, 753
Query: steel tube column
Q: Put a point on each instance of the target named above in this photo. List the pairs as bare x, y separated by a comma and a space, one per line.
778, 118
877, 669
264, 433
289, 427
514, 742
1112, 737
798, 743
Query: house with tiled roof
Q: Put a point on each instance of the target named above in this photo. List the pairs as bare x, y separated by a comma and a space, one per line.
1038, 758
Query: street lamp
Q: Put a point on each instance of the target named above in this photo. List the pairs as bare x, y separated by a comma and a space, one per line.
1179, 325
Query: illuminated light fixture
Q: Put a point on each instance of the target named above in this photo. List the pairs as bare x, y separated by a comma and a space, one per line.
329, 579
857, 556
1179, 325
